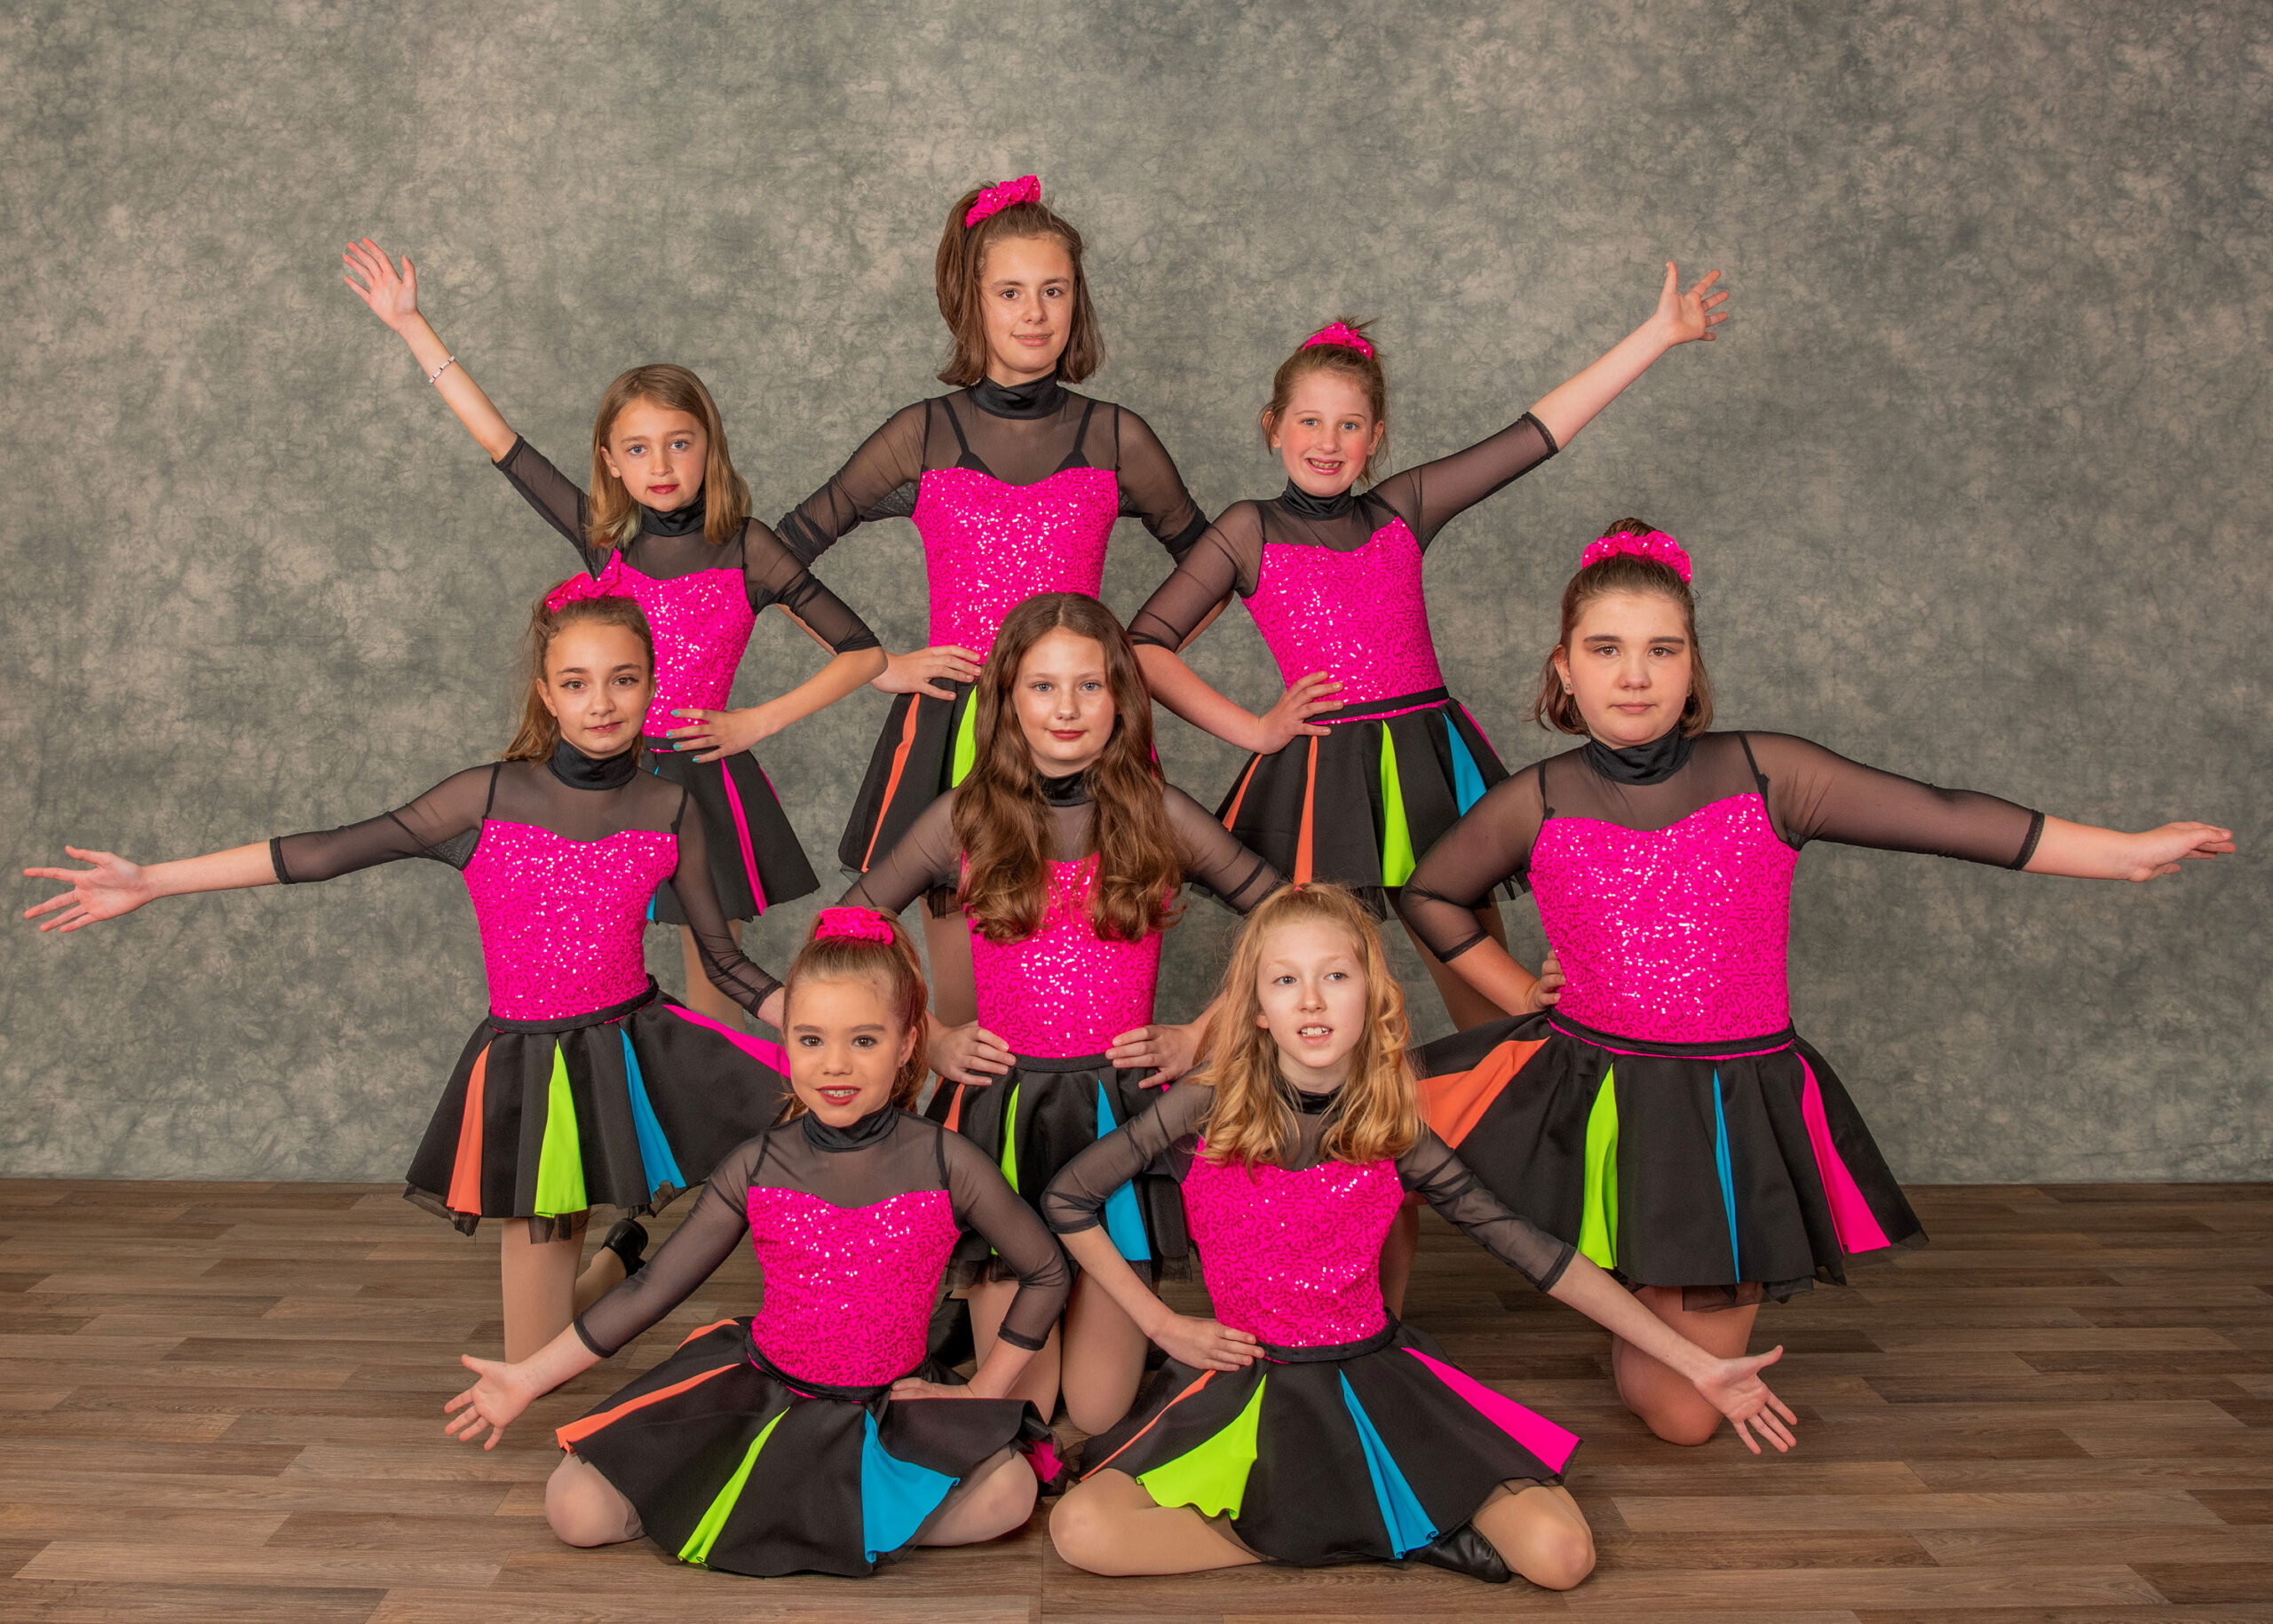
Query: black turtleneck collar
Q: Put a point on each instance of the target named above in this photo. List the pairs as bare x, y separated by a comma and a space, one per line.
579, 771
1038, 399
852, 1136
1072, 790
1641, 763
687, 521
1306, 1102
1301, 504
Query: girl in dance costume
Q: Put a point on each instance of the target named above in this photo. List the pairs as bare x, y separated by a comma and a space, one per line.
811, 1435
1065, 851
669, 524
584, 1088
1663, 1117
1013, 483
1365, 759
1303, 1424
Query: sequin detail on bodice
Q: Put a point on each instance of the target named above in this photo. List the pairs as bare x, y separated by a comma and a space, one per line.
562, 920
989, 546
849, 1290
1359, 616
702, 623
1675, 935
1294, 1257
1065, 992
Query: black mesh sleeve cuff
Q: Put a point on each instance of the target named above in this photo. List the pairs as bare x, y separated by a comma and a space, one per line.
1556, 1274
585, 1336
1031, 1344
1181, 542
1545, 433
2028, 846
276, 859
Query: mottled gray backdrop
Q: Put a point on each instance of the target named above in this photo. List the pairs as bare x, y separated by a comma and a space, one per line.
1978, 482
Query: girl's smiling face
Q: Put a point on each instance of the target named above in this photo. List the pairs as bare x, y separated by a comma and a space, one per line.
1026, 288
598, 684
659, 454
1628, 664
1310, 984
845, 1047
1064, 696
1325, 433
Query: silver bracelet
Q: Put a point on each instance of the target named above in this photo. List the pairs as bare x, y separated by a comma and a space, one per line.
445, 366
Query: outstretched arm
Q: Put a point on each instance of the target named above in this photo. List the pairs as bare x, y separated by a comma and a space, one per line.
394, 298
1679, 319
2081, 851
115, 886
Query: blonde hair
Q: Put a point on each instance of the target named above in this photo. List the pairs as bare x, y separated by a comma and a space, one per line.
891, 968
1378, 1113
539, 734
613, 517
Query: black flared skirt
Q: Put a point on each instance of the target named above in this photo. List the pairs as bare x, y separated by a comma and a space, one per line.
756, 858
733, 1465
1359, 1453
1736, 1171
624, 1107
926, 749
1039, 1116
1359, 806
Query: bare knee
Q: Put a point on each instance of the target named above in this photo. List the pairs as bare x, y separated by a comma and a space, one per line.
1561, 1555
1688, 1425
1003, 1501
585, 1509
1082, 1528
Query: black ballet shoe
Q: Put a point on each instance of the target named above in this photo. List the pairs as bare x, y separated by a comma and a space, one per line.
629, 1242
1464, 1551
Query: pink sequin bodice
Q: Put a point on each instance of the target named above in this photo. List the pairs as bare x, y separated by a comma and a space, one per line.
1675, 935
1065, 991
1357, 615
702, 623
1294, 1257
561, 920
849, 1290
989, 546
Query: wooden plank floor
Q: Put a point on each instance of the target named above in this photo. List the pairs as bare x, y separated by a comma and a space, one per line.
222, 1401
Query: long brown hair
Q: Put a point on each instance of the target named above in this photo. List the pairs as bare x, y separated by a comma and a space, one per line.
892, 966
539, 734
1626, 572
1001, 821
613, 519
1342, 362
962, 263
1378, 1113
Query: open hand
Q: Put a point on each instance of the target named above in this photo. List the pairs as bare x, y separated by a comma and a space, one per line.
393, 298
921, 671
1168, 1052
1682, 317
1734, 1388
1547, 991
970, 1054
493, 1402
721, 733
2160, 852
1290, 718
1204, 1344
112, 887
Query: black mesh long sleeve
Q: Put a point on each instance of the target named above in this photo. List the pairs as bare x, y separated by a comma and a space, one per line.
1816, 794
925, 857
557, 499
1076, 1198
1492, 844
774, 574
984, 1201
443, 824
1434, 1171
1430, 495
1151, 489
718, 1224
891, 457
1223, 560
1215, 857
723, 962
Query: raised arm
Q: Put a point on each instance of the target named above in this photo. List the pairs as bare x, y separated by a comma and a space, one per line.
1680, 318
1492, 844
394, 298
439, 824
723, 961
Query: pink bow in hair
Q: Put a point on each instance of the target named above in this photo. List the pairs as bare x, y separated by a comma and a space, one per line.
609, 584
853, 924
1655, 545
1025, 189
1348, 338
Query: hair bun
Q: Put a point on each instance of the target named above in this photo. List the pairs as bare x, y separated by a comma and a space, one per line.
993, 200
1656, 546
1341, 333
853, 924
